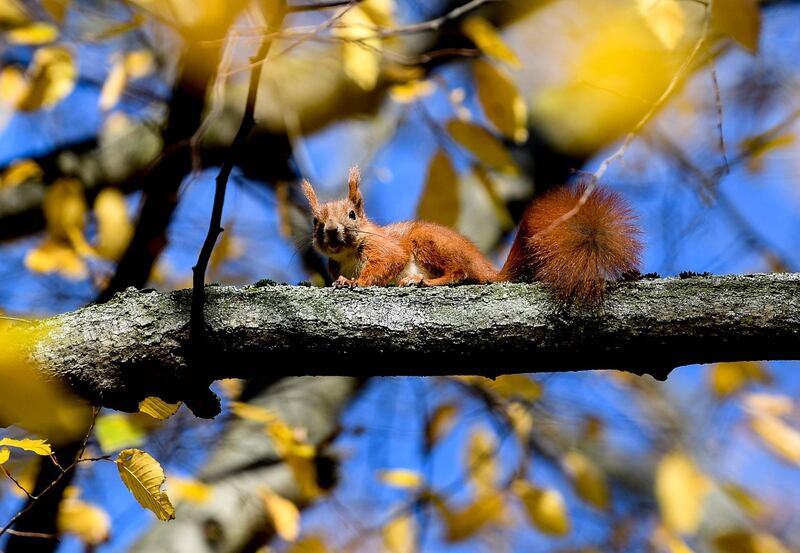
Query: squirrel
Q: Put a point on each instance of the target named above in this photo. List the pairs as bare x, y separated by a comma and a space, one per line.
574, 248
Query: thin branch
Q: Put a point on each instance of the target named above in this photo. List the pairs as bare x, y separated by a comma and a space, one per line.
215, 228
320, 6
31, 534
718, 103
17, 484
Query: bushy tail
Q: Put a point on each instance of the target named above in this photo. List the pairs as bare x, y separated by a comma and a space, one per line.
573, 247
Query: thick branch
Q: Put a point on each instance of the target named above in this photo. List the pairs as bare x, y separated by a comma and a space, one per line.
136, 345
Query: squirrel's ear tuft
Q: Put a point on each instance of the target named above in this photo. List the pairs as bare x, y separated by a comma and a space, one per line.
311, 196
354, 194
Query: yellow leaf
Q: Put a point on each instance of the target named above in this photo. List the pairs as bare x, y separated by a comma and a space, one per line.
361, 51
411, 91
117, 431
440, 199
499, 205
440, 423
231, 387
482, 144
665, 18
64, 208
56, 8
755, 149
28, 400
743, 541
768, 404
33, 34
191, 491
311, 544
39, 447
289, 444
114, 227
20, 172
158, 408
133, 65
589, 481
501, 101
400, 478
51, 256
517, 386
670, 541
380, 12
545, 507
399, 535
143, 476
469, 521
12, 13
228, 247
739, 19
521, 420
113, 86
485, 36
481, 461
729, 378
252, 412
5, 453
52, 77
13, 85
138, 63
778, 436
680, 489
283, 513
744, 499
89, 522
611, 74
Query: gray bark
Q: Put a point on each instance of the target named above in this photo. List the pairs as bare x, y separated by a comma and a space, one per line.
136, 345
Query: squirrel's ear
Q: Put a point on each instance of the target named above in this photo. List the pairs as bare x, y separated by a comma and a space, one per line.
353, 181
311, 196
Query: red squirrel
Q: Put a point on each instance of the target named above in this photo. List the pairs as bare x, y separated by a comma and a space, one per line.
574, 253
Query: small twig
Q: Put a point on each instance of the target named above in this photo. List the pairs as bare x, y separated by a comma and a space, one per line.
17, 484
32, 534
217, 100
718, 102
215, 225
17, 320
321, 6
314, 32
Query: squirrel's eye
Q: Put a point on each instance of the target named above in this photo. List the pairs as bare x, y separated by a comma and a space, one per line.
316, 221
352, 214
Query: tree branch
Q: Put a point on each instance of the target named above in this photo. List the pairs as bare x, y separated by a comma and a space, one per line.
137, 345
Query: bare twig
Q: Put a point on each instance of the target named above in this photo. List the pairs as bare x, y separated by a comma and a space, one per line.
320, 6
215, 229
718, 103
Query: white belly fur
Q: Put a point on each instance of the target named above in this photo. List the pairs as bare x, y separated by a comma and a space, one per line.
350, 267
412, 269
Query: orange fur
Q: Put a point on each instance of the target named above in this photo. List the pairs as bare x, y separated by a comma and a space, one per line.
575, 256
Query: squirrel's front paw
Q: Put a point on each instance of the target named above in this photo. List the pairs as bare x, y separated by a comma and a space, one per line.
412, 280
344, 282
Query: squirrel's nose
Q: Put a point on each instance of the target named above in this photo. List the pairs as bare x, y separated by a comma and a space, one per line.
333, 231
